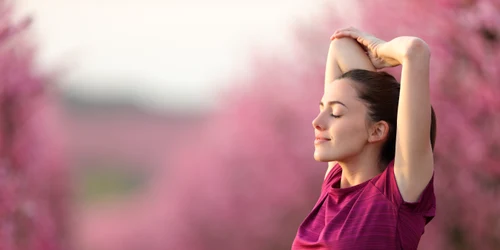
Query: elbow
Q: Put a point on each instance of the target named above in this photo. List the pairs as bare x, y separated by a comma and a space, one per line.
417, 48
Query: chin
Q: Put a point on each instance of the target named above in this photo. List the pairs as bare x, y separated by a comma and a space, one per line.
323, 158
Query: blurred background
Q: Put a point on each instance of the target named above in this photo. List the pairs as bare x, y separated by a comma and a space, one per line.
187, 124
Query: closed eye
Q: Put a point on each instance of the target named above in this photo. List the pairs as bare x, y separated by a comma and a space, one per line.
336, 116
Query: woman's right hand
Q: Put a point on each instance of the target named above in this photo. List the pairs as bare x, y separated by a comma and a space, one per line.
371, 44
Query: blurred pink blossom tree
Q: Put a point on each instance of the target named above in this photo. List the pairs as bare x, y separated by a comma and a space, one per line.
246, 178
32, 179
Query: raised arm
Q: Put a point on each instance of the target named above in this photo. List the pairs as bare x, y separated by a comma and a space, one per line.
413, 163
344, 54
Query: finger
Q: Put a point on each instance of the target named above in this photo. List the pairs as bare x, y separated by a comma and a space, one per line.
342, 30
334, 35
346, 33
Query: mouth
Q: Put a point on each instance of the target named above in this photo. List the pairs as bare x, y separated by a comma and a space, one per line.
319, 140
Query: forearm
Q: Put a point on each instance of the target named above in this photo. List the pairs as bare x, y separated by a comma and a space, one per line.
345, 54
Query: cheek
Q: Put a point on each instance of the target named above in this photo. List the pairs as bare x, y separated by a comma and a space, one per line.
348, 138
349, 134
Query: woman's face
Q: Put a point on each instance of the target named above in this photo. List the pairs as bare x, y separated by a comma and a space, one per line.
341, 125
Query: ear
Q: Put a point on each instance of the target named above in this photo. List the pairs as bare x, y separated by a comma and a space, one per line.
378, 132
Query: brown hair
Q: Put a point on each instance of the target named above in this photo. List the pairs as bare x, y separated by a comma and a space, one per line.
380, 91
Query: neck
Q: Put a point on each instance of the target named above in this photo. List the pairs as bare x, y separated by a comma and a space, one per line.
359, 169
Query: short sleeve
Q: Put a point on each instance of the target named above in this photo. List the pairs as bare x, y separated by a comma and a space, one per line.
425, 205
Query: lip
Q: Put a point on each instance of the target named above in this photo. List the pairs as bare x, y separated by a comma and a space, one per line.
319, 140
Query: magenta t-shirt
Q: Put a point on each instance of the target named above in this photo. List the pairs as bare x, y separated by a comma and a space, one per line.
371, 215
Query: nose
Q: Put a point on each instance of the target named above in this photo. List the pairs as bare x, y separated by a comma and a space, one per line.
318, 123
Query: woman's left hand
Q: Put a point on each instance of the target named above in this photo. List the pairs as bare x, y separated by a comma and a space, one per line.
371, 44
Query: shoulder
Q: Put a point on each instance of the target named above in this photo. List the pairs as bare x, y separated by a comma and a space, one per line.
425, 204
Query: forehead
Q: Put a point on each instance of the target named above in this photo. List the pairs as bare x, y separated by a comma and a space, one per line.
340, 90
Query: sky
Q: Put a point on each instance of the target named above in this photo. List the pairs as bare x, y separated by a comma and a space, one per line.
159, 53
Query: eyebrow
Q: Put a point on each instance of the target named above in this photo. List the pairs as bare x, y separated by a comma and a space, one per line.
331, 103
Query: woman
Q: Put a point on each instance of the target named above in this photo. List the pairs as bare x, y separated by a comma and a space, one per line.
374, 134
